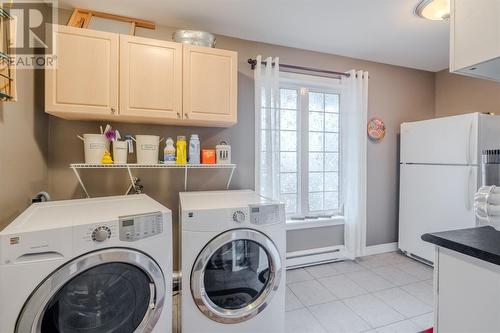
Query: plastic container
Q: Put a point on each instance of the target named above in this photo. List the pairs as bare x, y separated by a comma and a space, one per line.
147, 149
181, 157
120, 151
194, 149
129, 139
194, 37
223, 152
208, 156
169, 152
94, 147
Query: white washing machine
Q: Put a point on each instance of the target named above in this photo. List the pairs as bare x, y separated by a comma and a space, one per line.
233, 263
90, 265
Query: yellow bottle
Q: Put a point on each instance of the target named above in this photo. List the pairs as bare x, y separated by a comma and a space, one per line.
181, 150
106, 158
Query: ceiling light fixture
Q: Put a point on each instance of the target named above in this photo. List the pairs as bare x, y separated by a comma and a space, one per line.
435, 10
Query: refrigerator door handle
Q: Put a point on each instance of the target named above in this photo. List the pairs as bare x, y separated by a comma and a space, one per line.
468, 195
468, 152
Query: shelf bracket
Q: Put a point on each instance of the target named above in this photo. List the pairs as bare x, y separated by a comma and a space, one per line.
230, 177
77, 174
132, 181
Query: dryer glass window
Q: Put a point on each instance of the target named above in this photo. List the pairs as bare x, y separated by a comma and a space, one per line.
236, 274
109, 298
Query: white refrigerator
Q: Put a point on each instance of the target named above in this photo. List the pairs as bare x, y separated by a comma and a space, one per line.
439, 174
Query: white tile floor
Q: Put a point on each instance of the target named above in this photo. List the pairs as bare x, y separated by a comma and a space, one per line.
384, 293
381, 293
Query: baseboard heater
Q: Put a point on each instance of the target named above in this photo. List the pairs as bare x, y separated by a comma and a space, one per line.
314, 257
291, 256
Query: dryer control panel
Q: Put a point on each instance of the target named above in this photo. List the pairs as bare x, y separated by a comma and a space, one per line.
135, 227
265, 214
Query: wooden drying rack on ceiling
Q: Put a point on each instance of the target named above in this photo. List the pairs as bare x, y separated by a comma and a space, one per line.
81, 19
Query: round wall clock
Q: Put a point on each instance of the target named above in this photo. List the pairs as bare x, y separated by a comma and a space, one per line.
376, 130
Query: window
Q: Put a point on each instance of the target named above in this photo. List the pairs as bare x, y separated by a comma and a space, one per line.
309, 153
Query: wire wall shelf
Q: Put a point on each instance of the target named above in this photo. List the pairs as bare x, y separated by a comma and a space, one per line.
131, 166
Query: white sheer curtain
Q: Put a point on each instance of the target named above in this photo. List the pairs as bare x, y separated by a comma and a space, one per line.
354, 148
267, 126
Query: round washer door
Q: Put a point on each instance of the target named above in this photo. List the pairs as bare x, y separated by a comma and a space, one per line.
236, 275
107, 291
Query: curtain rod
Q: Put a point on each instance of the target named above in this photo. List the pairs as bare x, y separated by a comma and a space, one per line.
253, 63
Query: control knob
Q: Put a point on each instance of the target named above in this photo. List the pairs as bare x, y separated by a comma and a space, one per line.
100, 234
238, 216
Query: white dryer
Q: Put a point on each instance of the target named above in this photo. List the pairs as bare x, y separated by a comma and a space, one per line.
90, 265
233, 263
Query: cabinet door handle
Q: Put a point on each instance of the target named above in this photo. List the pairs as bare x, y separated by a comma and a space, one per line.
113, 110
186, 116
178, 115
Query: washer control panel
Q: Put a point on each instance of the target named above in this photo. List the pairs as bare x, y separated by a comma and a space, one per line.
136, 227
265, 214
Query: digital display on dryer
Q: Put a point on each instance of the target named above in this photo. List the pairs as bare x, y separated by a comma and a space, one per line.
127, 223
255, 209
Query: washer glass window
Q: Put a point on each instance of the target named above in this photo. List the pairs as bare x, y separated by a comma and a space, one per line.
109, 290
108, 298
236, 274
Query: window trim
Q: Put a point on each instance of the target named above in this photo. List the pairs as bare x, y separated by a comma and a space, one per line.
299, 82
315, 223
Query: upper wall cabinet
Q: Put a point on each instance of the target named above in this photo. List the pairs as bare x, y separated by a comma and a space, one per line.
475, 38
150, 78
210, 84
106, 76
85, 83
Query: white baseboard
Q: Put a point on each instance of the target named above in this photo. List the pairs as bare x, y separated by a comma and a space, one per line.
381, 248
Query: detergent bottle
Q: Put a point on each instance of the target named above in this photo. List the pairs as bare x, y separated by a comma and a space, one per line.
169, 152
181, 150
194, 149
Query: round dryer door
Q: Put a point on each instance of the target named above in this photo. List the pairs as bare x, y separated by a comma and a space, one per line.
236, 275
108, 291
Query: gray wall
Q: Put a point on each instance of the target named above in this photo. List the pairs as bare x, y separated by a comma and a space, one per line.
458, 94
396, 94
313, 238
23, 148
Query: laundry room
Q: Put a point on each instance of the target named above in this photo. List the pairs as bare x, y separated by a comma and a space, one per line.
267, 166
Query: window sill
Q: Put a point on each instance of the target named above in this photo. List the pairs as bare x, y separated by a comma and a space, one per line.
314, 223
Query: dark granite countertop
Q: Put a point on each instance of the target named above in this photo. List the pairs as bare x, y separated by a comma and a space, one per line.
482, 242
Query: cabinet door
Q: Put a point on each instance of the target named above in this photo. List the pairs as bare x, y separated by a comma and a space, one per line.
84, 83
150, 78
210, 85
468, 294
475, 33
